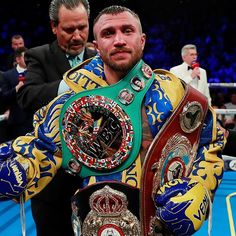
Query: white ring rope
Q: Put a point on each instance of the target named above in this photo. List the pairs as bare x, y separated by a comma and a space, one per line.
226, 85
228, 158
225, 111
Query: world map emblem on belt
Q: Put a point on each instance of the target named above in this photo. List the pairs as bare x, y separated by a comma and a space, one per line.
97, 132
176, 161
191, 117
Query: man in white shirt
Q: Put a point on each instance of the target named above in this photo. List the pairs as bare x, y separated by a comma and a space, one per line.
190, 71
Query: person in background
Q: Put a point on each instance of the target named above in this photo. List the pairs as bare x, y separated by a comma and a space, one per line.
17, 41
19, 122
218, 102
191, 72
3, 114
46, 65
115, 165
4, 126
230, 120
229, 149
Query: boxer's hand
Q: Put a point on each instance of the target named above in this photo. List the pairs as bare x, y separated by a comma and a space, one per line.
182, 206
13, 179
6, 151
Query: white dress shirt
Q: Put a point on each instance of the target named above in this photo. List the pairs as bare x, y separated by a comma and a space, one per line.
182, 72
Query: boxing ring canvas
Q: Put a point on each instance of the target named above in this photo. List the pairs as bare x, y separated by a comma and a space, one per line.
10, 224
224, 209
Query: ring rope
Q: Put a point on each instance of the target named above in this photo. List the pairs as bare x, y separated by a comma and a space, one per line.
225, 111
226, 85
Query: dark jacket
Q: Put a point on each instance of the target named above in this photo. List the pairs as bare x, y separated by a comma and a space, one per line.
2, 105
19, 121
46, 65
51, 208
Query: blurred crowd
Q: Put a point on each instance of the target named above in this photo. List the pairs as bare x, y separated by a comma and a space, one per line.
214, 33
215, 46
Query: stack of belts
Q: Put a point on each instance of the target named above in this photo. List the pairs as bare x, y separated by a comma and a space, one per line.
225, 112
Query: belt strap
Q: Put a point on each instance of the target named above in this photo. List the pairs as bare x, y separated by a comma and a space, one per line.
131, 108
185, 124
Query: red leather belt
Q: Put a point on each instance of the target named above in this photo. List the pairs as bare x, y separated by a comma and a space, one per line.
172, 152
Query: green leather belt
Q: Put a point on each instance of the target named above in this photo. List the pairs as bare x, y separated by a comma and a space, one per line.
101, 129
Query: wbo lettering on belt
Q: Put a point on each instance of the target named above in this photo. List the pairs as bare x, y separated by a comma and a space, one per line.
101, 128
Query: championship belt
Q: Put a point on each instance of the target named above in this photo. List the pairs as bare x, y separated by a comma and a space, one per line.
106, 208
171, 154
101, 128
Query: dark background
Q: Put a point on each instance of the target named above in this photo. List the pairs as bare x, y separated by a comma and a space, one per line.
169, 24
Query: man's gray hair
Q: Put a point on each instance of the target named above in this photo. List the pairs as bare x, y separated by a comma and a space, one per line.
185, 49
68, 4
